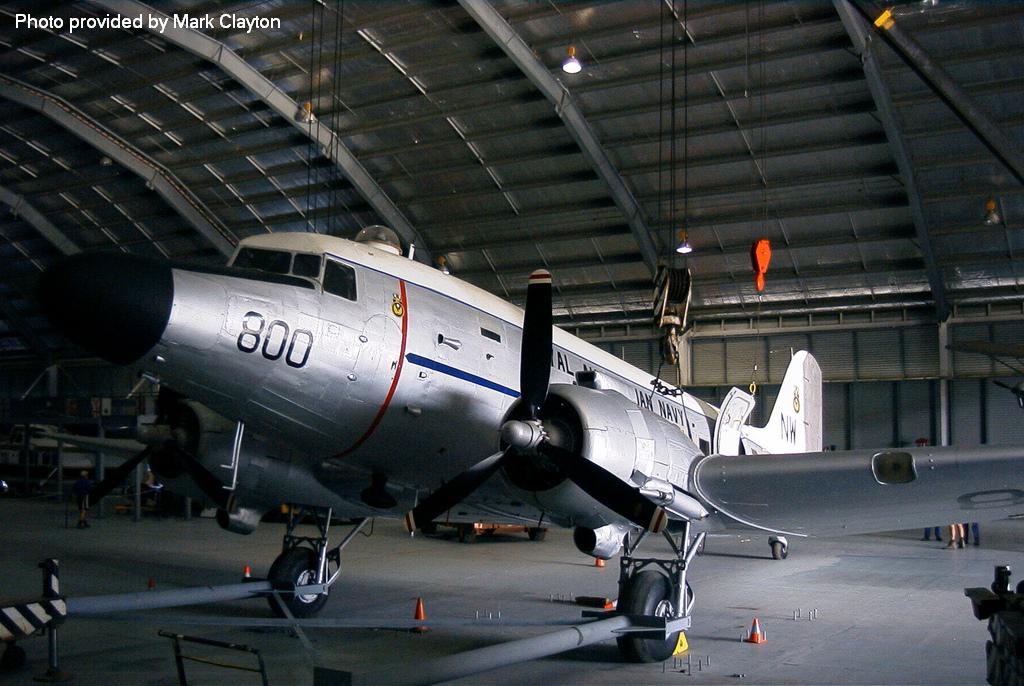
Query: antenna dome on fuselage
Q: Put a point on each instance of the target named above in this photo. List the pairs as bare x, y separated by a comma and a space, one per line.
381, 237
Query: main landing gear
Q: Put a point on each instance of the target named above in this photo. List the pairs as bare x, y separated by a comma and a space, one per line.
304, 571
651, 587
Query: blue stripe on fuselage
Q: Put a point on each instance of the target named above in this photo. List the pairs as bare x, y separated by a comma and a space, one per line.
459, 374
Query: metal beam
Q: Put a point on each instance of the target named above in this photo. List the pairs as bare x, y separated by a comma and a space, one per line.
157, 177
216, 52
867, 49
22, 330
572, 116
974, 117
30, 214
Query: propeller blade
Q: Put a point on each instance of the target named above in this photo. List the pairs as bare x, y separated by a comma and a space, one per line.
608, 489
535, 352
203, 477
452, 493
114, 477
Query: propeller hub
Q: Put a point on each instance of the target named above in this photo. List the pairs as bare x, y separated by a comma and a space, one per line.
523, 435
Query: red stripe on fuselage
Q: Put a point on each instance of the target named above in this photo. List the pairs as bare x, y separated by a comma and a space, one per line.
394, 381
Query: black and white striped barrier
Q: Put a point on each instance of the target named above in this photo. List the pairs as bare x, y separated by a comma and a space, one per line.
19, 621
24, 619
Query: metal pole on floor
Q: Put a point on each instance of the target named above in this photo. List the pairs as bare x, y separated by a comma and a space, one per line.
137, 500
60, 467
483, 659
148, 600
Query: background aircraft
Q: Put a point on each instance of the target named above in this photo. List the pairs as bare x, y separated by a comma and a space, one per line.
342, 378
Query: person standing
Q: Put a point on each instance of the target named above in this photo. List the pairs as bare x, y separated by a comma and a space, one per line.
81, 490
956, 536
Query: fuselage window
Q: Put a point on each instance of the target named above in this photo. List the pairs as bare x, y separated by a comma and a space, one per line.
340, 279
487, 333
273, 261
306, 265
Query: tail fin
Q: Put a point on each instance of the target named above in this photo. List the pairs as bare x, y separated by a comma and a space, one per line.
795, 422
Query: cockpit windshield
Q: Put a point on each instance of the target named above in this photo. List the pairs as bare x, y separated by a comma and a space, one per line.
273, 261
279, 262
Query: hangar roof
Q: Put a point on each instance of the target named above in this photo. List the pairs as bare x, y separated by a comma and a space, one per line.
453, 123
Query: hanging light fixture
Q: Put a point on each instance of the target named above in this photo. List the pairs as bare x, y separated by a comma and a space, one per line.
571, 65
305, 114
684, 247
992, 216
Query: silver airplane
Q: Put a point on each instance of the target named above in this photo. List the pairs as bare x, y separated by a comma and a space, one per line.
348, 380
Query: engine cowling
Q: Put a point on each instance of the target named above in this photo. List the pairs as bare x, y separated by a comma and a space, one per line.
603, 543
607, 428
239, 520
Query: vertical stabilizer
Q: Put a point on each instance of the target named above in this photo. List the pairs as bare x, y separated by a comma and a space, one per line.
795, 422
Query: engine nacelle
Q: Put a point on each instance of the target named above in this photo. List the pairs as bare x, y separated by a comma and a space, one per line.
602, 543
612, 431
240, 520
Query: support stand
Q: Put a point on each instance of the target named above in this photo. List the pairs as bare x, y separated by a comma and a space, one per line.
51, 591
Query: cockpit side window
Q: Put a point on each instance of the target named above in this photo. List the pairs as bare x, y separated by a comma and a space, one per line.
273, 261
340, 279
306, 265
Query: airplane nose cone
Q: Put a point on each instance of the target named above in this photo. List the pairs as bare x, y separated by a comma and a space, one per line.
114, 305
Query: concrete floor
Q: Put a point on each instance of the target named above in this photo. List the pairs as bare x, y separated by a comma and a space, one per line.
890, 607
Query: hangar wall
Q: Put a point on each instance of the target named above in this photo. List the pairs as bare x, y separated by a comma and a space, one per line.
881, 380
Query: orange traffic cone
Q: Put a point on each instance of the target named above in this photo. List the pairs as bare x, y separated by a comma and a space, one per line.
757, 634
246, 572
611, 605
598, 562
420, 615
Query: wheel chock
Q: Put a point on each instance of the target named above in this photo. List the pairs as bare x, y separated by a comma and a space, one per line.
757, 634
598, 562
681, 645
600, 602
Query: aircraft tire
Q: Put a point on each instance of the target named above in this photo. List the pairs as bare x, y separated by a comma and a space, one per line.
295, 567
643, 594
779, 551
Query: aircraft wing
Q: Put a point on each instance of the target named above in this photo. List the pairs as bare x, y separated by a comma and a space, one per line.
863, 491
124, 447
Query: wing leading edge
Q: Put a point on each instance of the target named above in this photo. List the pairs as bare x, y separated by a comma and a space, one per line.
863, 491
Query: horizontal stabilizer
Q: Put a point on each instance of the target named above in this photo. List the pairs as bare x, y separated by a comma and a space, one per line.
863, 491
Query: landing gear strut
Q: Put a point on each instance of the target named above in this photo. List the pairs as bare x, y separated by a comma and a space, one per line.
657, 588
304, 571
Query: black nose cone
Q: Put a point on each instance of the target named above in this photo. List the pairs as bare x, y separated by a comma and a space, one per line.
114, 305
